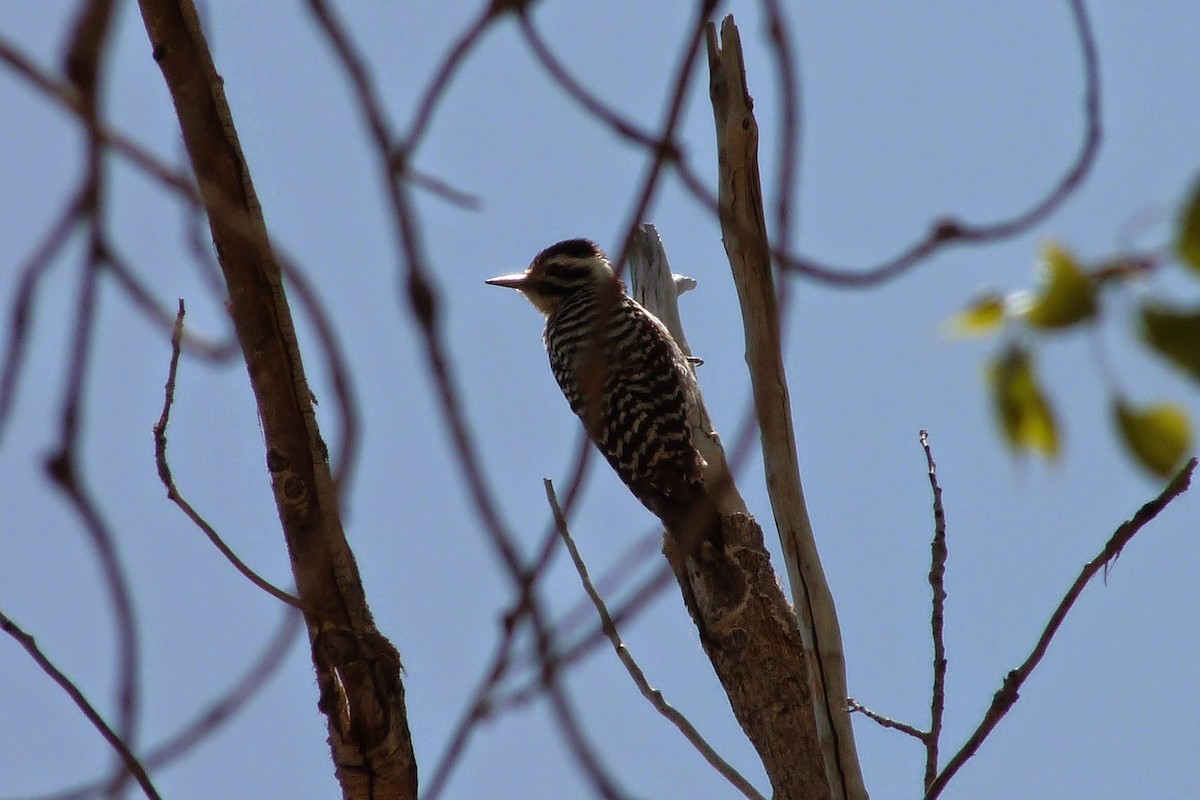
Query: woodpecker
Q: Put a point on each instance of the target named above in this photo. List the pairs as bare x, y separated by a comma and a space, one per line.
626, 379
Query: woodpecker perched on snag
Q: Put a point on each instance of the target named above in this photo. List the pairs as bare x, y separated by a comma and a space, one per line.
627, 380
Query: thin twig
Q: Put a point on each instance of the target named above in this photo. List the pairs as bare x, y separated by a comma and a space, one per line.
603, 113
1009, 692
128, 759
937, 621
948, 230
887, 722
421, 294
83, 66
142, 298
209, 721
640, 553
787, 183
168, 480
455, 56
24, 302
478, 709
440, 188
652, 695
650, 587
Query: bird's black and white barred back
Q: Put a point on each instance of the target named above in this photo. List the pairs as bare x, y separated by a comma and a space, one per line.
624, 376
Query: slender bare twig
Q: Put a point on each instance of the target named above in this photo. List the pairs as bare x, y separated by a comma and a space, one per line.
67, 96
649, 588
440, 188
681, 82
621, 573
24, 302
603, 113
143, 300
422, 297
403, 153
128, 759
937, 574
170, 178
787, 180
1009, 691
937, 619
886, 722
948, 230
210, 720
168, 480
478, 709
83, 66
654, 696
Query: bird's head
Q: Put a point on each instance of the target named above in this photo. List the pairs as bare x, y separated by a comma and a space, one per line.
560, 271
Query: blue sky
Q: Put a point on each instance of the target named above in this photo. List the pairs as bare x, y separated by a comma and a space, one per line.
911, 110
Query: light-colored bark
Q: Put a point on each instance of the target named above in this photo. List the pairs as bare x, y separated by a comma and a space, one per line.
743, 226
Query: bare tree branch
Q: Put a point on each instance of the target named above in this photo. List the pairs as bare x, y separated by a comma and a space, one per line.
358, 670
421, 294
887, 722
948, 230
937, 619
143, 300
401, 155
477, 710
1008, 694
164, 474
24, 302
743, 227
210, 720
83, 65
128, 759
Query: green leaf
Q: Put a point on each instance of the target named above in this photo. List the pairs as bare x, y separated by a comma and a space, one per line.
985, 314
1174, 334
1158, 435
1068, 294
1025, 416
1188, 242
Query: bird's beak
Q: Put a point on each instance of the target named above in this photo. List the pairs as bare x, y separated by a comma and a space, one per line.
515, 281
